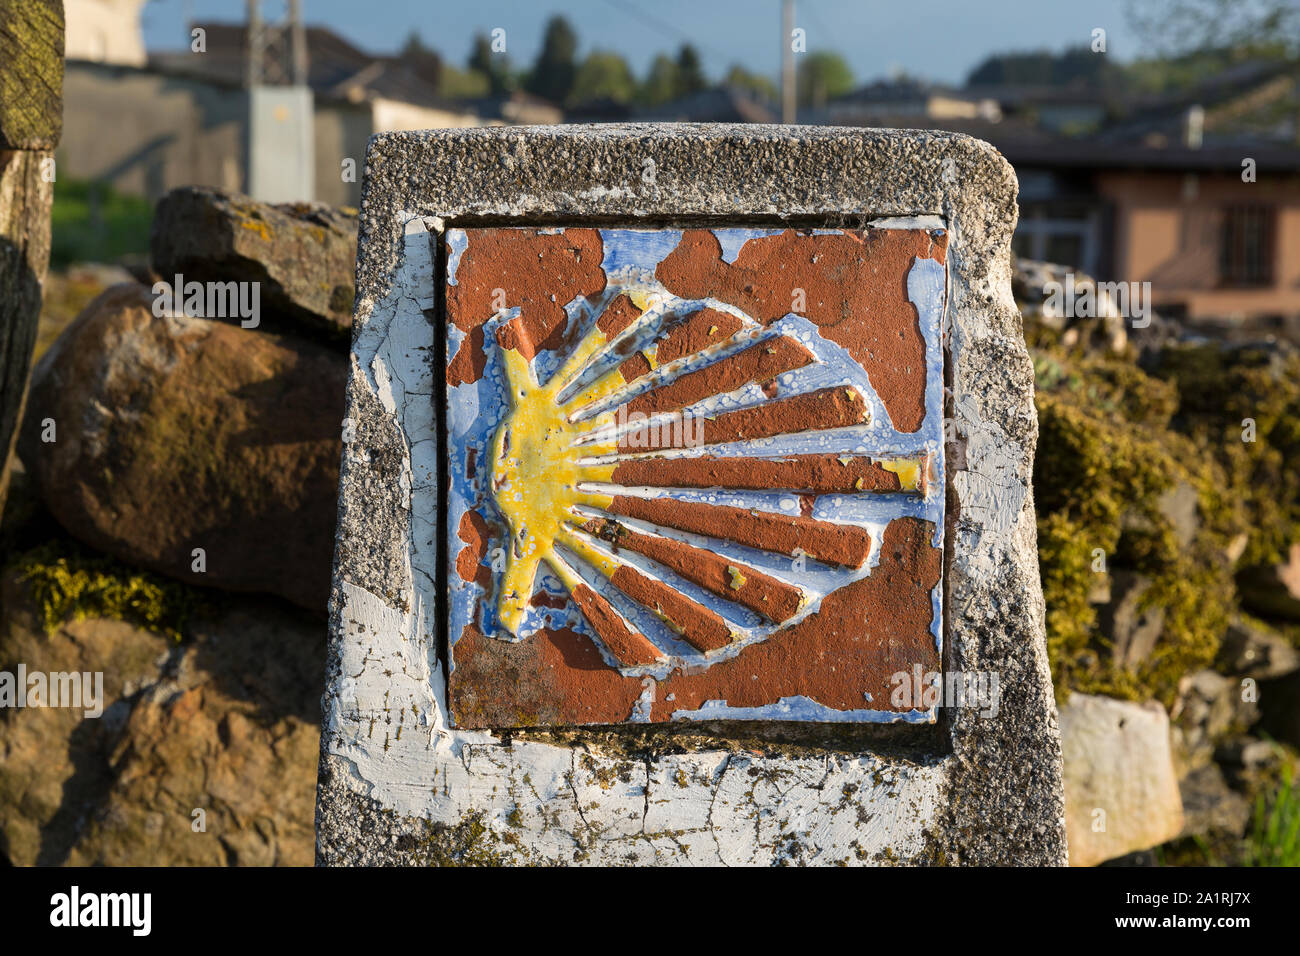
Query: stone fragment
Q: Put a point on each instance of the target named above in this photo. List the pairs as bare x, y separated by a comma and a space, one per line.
1181, 505
1121, 791
224, 723
1208, 708
1133, 628
172, 434
1210, 806
301, 254
1250, 650
1272, 590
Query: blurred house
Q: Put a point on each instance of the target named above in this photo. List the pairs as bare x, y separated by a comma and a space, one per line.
905, 98
183, 117
104, 31
1061, 110
515, 108
1155, 189
722, 104
1213, 246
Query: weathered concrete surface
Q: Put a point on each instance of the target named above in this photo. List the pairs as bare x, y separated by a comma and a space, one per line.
1121, 790
397, 785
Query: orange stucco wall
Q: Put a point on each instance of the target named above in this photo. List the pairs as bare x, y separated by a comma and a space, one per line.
1167, 232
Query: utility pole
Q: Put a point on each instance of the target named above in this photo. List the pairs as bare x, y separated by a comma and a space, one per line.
787, 62
281, 138
277, 49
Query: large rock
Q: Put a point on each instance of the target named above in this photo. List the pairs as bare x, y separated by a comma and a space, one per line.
303, 254
175, 434
1121, 791
225, 723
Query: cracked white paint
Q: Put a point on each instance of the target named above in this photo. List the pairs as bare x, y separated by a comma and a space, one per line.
571, 805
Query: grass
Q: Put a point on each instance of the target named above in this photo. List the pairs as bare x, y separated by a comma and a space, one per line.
93, 223
1274, 839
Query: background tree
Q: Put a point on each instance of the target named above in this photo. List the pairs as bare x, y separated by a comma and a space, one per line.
660, 84
690, 74
1074, 67
494, 66
757, 85
422, 60
603, 75
1247, 27
823, 76
554, 71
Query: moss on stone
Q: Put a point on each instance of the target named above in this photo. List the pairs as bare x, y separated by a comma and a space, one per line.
66, 585
1108, 450
1222, 394
467, 843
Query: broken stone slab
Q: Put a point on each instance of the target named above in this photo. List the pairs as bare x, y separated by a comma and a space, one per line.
1121, 789
1250, 650
301, 255
1132, 628
1181, 505
1247, 753
1273, 590
197, 449
404, 780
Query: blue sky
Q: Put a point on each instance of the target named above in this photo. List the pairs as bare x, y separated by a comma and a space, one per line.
938, 39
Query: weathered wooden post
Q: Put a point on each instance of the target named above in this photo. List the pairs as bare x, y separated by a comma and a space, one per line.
685, 509
31, 119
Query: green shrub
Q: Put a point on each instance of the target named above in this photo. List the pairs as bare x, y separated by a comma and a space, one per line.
91, 222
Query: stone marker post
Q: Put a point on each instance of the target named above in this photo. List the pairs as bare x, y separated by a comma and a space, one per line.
31, 120
685, 509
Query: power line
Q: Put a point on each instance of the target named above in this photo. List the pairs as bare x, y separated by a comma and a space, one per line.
810, 8
663, 26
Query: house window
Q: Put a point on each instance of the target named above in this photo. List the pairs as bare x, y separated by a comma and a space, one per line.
1065, 233
1246, 253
